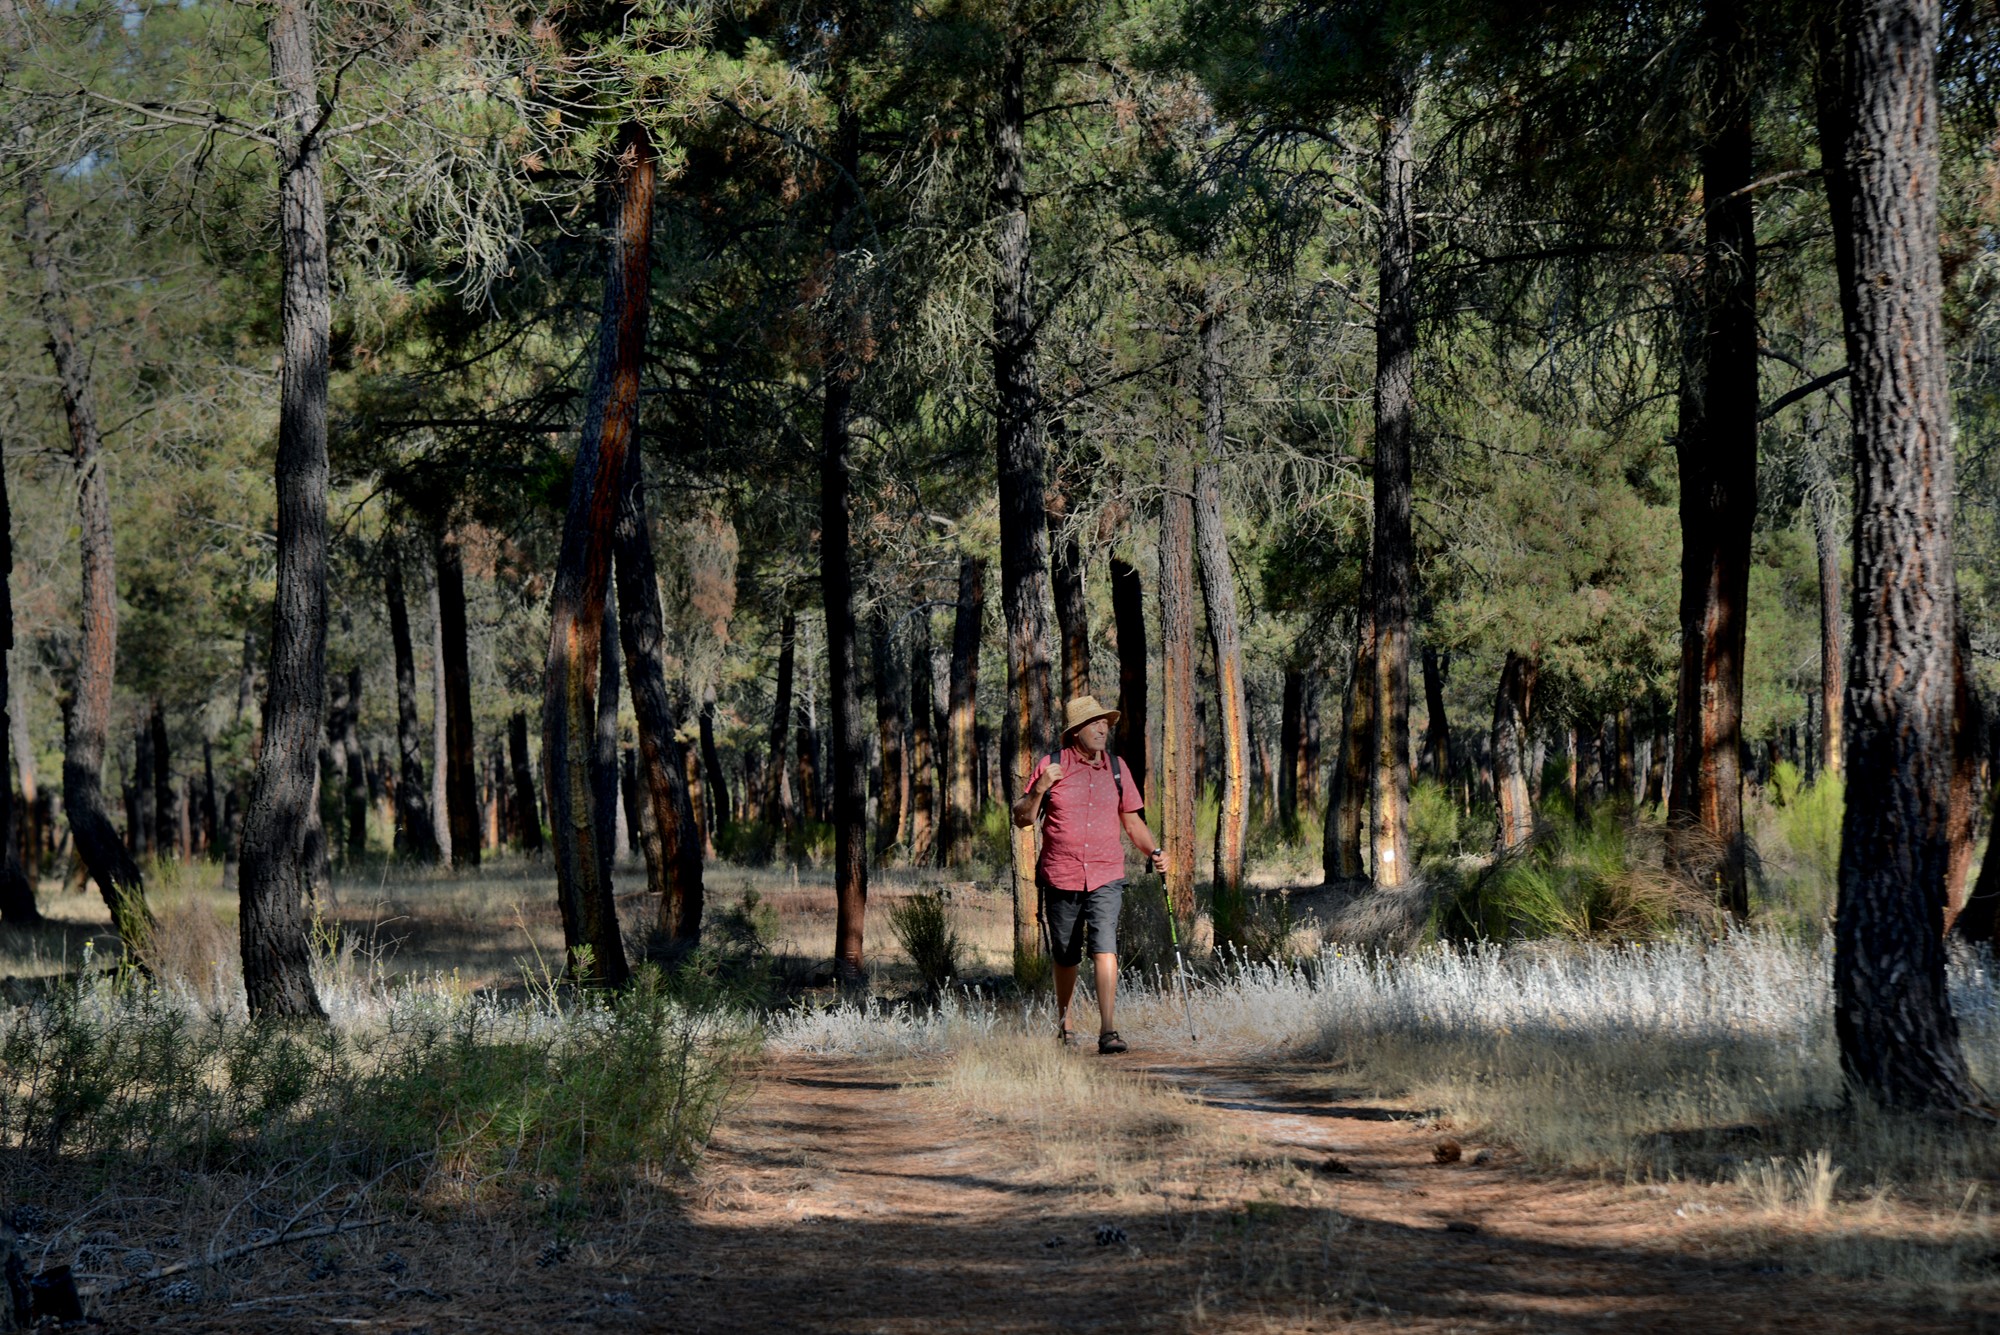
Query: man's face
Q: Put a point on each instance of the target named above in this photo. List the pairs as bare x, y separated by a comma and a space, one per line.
1093, 735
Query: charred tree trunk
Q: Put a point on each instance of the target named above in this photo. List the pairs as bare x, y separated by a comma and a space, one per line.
277, 872
962, 789
1066, 574
1179, 777
1308, 777
1717, 450
355, 765
1826, 542
778, 808
1344, 858
892, 689
849, 747
923, 743
461, 774
718, 783
166, 817
1028, 726
1394, 550
583, 570
1513, 705
87, 723
1128, 616
677, 877
17, 888
1218, 589
1879, 136
416, 836
1290, 736
527, 811
1437, 728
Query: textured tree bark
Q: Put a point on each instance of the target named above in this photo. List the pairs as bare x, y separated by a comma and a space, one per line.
1968, 731
527, 811
604, 745
1395, 576
1128, 617
277, 872
718, 783
165, 802
836, 563
440, 733
1291, 735
1437, 726
1309, 738
892, 688
1513, 705
923, 744
583, 569
1879, 136
677, 876
416, 836
1066, 575
1826, 543
1717, 451
1656, 768
1179, 776
806, 771
1028, 726
1218, 589
1218, 586
778, 806
1344, 857
461, 776
962, 789
17, 889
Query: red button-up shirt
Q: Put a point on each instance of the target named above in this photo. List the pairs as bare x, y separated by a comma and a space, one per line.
1083, 840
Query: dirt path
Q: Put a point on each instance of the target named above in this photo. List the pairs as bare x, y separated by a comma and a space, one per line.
838, 1199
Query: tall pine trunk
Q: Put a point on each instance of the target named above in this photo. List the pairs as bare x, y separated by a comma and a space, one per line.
354, 794
416, 837
1513, 705
527, 811
962, 789
778, 804
1066, 575
1717, 451
923, 741
836, 564
1128, 621
1437, 727
673, 869
461, 773
1879, 137
1218, 588
277, 872
17, 887
718, 783
1394, 553
1028, 726
892, 688
1291, 734
1826, 545
1179, 776
583, 569
1343, 855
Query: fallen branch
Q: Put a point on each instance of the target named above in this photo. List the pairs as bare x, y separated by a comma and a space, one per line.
217, 1258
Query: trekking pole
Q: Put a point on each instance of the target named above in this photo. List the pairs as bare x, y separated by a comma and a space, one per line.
1180, 965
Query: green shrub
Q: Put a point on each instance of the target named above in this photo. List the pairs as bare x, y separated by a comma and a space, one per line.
746, 843
562, 1100
923, 926
1798, 844
1434, 822
993, 836
1589, 881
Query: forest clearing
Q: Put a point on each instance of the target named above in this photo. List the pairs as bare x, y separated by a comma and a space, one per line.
1141, 665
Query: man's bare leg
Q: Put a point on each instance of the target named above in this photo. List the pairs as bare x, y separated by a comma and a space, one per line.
1106, 969
1065, 989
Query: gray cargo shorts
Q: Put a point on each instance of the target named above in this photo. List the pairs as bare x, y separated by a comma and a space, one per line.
1070, 914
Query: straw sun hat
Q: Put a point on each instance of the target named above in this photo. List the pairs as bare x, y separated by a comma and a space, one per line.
1082, 710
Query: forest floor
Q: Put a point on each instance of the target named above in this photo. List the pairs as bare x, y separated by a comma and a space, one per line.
1219, 1190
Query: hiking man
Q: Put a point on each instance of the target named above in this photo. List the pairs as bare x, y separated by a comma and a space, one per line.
1089, 798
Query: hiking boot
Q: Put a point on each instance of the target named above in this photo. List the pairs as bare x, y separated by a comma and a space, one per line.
1108, 1042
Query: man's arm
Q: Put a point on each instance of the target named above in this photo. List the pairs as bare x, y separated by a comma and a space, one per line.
1028, 806
1142, 839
